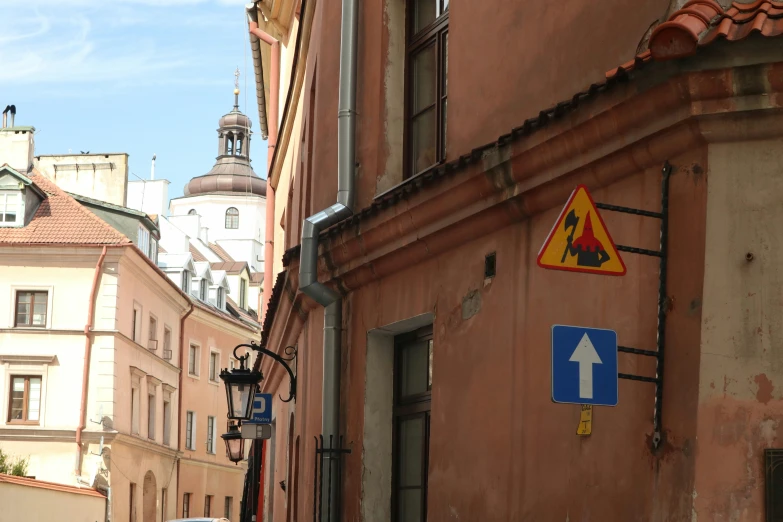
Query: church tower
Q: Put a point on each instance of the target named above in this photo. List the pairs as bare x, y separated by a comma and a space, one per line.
226, 206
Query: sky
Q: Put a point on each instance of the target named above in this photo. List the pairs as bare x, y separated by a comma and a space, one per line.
138, 76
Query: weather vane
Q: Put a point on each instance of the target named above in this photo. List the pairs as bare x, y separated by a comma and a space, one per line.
236, 89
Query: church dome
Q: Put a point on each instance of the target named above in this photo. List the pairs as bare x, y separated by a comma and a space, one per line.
232, 173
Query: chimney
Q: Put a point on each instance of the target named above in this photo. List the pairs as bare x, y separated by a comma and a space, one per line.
152, 170
13, 114
5, 116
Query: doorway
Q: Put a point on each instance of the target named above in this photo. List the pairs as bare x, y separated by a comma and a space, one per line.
150, 498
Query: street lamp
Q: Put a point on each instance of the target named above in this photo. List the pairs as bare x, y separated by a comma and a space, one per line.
235, 444
241, 384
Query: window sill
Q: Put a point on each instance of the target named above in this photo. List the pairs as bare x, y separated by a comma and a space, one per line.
28, 327
216, 383
22, 423
193, 375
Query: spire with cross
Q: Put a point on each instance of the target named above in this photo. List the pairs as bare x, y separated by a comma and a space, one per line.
236, 89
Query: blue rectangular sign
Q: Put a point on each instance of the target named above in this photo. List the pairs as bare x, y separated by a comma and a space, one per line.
584, 365
262, 409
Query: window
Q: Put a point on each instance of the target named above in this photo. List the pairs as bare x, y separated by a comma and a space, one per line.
135, 410
132, 502
232, 218
413, 389
193, 360
243, 293
192, 212
227, 505
214, 364
25, 400
152, 344
186, 505
136, 324
31, 308
164, 493
144, 240
186, 281
203, 290
208, 506
211, 435
9, 207
221, 298
151, 416
166, 342
190, 433
166, 422
154, 250
426, 86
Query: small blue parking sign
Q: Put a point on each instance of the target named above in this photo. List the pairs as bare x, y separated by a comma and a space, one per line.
584, 365
262, 409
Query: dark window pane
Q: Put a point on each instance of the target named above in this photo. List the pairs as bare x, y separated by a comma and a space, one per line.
424, 13
445, 65
411, 451
444, 128
25, 297
429, 376
423, 134
10, 216
409, 509
414, 369
445, 6
424, 76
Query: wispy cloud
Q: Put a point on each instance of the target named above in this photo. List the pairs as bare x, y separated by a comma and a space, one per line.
124, 42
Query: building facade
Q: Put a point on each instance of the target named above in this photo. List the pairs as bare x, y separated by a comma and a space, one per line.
424, 296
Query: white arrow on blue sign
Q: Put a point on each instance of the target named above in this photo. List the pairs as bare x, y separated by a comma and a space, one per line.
584, 365
262, 409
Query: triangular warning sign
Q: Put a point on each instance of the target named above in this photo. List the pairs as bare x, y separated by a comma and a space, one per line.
579, 241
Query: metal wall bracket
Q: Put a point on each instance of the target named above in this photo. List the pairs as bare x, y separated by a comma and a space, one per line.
290, 351
662, 255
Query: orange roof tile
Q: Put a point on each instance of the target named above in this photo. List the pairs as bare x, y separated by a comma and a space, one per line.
196, 254
60, 219
222, 254
231, 267
701, 22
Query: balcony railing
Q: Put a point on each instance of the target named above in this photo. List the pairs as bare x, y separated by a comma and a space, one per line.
152, 345
167, 354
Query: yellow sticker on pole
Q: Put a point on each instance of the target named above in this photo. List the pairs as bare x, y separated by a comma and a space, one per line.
585, 420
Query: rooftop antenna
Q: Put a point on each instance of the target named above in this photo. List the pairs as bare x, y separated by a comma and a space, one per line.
152, 170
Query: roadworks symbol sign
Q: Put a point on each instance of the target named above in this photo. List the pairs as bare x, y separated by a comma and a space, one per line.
580, 241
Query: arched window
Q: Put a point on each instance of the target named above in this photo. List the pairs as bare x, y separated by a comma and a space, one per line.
238, 148
230, 144
192, 212
232, 218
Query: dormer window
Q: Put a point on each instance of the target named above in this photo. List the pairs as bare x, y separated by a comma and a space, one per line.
221, 298
203, 289
10, 206
186, 281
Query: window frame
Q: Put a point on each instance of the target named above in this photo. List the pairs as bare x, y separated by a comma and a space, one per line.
4, 196
151, 413
232, 218
186, 281
208, 506
25, 399
143, 239
228, 505
190, 430
214, 369
136, 323
436, 32
32, 293
152, 334
186, 505
406, 408
166, 422
166, 340
211, 434
203, 289
194, 360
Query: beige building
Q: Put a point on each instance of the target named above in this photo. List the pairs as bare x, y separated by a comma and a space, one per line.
89, 330
102, 176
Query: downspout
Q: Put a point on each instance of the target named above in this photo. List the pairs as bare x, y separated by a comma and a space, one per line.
269, 234
179, 396
272, 124
311, 229
87, 356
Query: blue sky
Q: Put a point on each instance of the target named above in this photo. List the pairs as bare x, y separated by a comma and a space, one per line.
135, 76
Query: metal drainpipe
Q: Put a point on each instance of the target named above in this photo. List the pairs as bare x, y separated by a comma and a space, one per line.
87, 356
311, 228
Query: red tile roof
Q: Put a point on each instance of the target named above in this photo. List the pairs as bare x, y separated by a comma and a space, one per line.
256, 278
220, 313
222, 254
243, 314
60, 219
701, 22
24, 481
231, 267
196, 254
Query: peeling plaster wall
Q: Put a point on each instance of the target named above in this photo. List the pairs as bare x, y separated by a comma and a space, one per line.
741, 374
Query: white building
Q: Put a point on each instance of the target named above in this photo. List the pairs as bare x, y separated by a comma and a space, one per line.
230, 200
